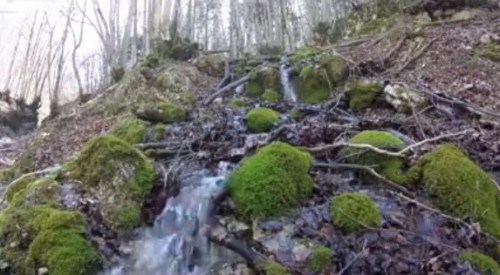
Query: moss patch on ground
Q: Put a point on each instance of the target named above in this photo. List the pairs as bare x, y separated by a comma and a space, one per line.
130, 130
118, 175
320, 259
272, 181
481, 262
274, 269
260, 120
353, 212
458, 186
270, 95
362, 94
238, 103
489, 51
388, 166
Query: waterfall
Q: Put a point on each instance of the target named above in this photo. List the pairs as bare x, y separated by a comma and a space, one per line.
174, 246
288, 92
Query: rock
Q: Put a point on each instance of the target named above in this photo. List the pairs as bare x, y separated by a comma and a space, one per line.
162, 112
404, 100
230, 269
42, 271
236, 227
301, 252
212, 65
261, 80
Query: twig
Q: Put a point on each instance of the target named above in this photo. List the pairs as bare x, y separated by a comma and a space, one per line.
358, 256
368, 169
381, 151
226, 88
411, 60
394, 49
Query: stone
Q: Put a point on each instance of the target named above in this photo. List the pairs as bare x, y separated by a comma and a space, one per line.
42, 271
404, 100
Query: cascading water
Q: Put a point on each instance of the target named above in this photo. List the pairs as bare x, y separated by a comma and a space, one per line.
288, 91
174, 245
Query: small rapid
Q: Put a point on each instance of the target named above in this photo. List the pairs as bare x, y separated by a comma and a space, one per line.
174, 245
288, 91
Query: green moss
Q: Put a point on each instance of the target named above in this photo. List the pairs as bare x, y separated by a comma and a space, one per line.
270, 95
353, 212
130, 130
238, 103
261, 120
43, 191
261, 80
335, 67
320, 259
158, 131
274, 269
313, 85
16, 187
459, 187
361, 94
163, 112
481, 262
489, 50
388, 166
295, 114
303, 53
188, 99
110, 168
272, 181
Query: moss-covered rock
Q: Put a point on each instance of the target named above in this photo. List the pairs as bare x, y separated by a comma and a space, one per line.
320, 259
16, 187
362, 94
335, 67
261, 80
130, 130
353, 212
270, 95
458, 186
163, 112
404, 100
481, 262
304, 53
388, 166
313, 85
238, 103
118, 175
272, 181
212, 65
489, 51
271, 268
260, 120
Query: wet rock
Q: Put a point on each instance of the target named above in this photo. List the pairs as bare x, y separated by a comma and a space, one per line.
230, 269
212, 65
42, 271
404, 100
235, 227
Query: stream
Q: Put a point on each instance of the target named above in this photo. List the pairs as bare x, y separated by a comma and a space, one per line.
174, 245
288, 91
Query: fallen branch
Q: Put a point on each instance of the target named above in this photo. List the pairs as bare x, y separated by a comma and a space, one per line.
368, 169
415, 57
226, 77
363, 253
226, 88
37, 174
394, 49
381, 151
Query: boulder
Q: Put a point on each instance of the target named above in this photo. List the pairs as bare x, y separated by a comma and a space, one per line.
404, 100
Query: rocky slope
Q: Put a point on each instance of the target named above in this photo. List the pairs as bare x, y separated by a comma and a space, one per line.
376, 154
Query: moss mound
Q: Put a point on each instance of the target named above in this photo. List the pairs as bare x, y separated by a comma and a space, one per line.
130, 130
270, 95
274, 269
362, 94
163, 112
481, 262
459, 186
321, 259
35, 233
118, 175
353, 212
313, 85
272, 181
261, 80
388, 166
261, 120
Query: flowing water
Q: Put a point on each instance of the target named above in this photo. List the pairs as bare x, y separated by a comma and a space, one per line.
174, 245
288, 91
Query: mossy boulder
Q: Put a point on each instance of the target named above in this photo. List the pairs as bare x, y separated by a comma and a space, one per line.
353, 212
212, 65
482, 263
118, 175
335, 67
320, 259
260, 120
261, 80
361, 94
313, 85
404, 100
388, 166
458, 186
163, 112
130, 130
270, 95
35, 232
272, 181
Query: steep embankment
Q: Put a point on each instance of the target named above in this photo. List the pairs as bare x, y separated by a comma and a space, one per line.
373, 155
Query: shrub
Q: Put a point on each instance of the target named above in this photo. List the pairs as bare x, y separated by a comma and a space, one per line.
272, 181
353, 212
261, 120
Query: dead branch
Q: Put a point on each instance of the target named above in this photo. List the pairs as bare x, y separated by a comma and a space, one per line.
227, 75
368, 169
381, 151
394, 49
416, 56
363, 253
226, 89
